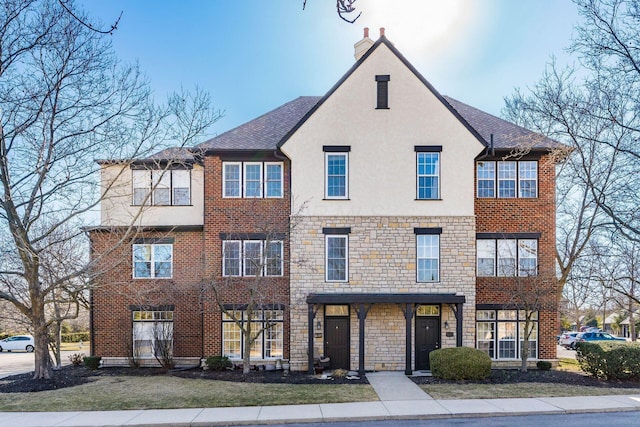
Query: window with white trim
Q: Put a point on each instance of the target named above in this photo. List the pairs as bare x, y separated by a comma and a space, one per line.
337, 169
152, 261
507, 179
268, 345
501, 257
252, 258
336, 258
428, 175
428, 257
501, 333
161, 187
152, 333
252, 179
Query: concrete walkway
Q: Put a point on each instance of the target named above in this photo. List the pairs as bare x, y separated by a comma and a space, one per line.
400, 398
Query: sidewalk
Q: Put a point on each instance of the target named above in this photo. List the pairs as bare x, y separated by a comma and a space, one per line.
400, 398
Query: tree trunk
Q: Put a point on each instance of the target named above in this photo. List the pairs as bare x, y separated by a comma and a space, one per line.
246, 356
55, 346
42, 367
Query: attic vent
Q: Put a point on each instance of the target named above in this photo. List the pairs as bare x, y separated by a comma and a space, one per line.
383, 91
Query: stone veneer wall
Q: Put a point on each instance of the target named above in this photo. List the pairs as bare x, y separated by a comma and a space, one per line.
382, 259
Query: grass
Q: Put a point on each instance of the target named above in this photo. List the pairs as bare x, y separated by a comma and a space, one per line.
74, 346
503, 391
124, 392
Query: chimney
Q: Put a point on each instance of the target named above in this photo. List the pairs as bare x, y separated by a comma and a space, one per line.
381, 31
363, 45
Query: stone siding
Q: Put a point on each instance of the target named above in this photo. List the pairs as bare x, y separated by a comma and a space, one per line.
382, 259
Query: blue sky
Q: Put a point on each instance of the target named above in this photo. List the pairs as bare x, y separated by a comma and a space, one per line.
255, 55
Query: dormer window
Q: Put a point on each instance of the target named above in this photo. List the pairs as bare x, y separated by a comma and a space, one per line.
383, 91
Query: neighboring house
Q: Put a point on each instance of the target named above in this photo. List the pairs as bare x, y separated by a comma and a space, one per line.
416, 216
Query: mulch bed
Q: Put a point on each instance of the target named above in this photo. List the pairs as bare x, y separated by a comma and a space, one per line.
511, 376
70, 376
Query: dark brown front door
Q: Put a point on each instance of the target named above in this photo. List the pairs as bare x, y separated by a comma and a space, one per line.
336, 345
427, 340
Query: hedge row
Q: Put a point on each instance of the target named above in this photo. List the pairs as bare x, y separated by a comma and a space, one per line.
460, 363
76, 337
610, 361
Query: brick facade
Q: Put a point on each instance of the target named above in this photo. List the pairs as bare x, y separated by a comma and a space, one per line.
525, 215
197, 266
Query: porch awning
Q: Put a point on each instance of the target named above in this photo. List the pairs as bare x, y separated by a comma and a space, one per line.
372, 298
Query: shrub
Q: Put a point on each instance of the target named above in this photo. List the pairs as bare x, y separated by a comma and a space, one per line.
340, 373
76, 359
460, 363
543, 365
92, 362
610, 361
218, 363
75, 337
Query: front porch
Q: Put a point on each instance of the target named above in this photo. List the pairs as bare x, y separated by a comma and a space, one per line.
408, 304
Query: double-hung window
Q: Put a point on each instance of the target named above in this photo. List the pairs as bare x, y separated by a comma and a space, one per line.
528, 179
336, 254
161, 187
252, 179
252, 258
486, 179
428, 254
507, 179
428, 171
508, 255
336, 183
153, 260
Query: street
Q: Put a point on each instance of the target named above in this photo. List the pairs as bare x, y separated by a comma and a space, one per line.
620, 419
19, 362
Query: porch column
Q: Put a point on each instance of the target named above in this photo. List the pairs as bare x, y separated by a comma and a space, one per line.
362, 311
311, 317
408, 316
458, 325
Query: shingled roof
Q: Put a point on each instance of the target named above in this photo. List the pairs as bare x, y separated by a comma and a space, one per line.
264, 132
506, 135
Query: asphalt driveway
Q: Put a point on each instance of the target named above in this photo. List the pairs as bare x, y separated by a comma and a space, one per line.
19, 362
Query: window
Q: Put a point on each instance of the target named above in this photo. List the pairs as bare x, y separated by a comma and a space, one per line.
252, 258
336, 258
336, 182
501, 333
501, 257
486, 179
231, 179
382, 86
428, 251
252, 179
528, 179
269, 344
152, 333
514, 179
161, 187
273, 179
506, 179
152, 261
428, 176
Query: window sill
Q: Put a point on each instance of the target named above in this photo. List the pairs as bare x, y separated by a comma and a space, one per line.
337, 198
152, 278
428, 200
383, 108
161, 206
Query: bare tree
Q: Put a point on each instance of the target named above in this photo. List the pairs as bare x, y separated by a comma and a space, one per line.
65, 100
343, 8
254, 266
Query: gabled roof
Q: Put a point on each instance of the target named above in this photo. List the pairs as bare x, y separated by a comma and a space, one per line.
396, 52
506, 135
264, 132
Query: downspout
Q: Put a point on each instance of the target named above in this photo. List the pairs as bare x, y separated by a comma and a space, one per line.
489, 151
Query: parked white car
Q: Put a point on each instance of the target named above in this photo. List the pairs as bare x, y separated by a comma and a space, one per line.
567, 339
18, 342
